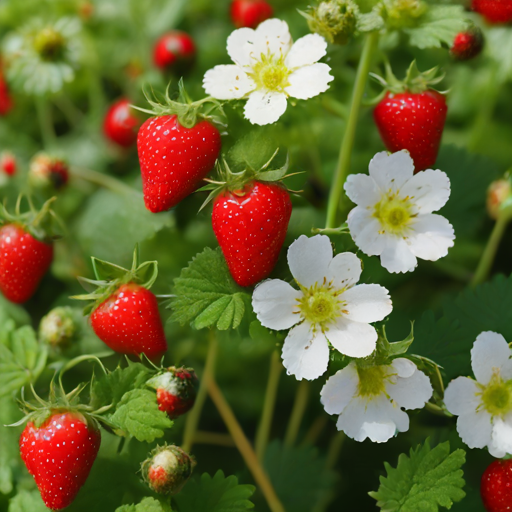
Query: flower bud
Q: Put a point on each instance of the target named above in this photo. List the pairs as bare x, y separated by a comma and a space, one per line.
401, 14
58, 327
497, 193
48, 172
167, 469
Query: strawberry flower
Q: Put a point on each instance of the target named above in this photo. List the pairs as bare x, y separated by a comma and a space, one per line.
369, 400
268, 68
484, 406
393, 218
327, 308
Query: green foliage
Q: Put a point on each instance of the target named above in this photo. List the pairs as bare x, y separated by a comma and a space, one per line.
215, 494
206, 294
27, 501
299, 476
146, 505
424, 481
499, 48
9, 438
137, 415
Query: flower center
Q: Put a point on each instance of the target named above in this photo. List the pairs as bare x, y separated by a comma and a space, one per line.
497, 396
270, 73
320, 305
49, 44
393, 213
371, 381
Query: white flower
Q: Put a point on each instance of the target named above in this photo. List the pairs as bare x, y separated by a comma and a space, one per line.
393, 218
268, 69
369, 399
484, 406
328, 307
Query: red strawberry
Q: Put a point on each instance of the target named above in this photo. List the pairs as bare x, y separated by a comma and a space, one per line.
467, 45
412, 121
8, 163
129, 322
176, 390
59, 455
120, 124
174, 51
23, 262
250, 13
496, 486
494, 11
174, 159
250, 226
6, 103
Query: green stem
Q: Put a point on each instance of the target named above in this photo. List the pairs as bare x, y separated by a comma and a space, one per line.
341, 172
335, 449
104, 180
202, 437
44, 115
194, 415
299, 407
268, 408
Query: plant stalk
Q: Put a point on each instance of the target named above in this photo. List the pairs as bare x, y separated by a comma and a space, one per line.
299, 407
104, 180
44, 115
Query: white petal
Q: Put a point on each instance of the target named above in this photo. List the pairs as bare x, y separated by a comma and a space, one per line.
309, 81
431, 238
403, 368
227, 82
365, 230
391, 172
461, 396
265, 107
367, 303
305, 356
344, 270
397, 256
353, 339
475, 428
241, 45
412, 392
275, 304
502, 434
339, 389
309, 258
305, 51
429, 190
362, 190
272, 37
495, 451
490, 351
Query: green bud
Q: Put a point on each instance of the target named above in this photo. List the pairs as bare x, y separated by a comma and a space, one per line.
58, 327
400, 14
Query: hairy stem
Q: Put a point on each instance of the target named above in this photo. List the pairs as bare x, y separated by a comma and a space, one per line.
341, 172
299, 407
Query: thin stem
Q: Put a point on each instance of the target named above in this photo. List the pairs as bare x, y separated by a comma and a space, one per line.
193, 416
335, 449
268, 408
104, 180
299, 407
202, 437
244, 447
44, 115
341, 172
315, 430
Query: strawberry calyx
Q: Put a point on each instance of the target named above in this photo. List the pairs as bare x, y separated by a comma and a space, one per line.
41, 224
189, 112
109, 277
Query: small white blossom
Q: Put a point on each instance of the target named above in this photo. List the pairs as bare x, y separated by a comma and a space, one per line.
268, 68
393, 218
484, 406
327, 307
369, 400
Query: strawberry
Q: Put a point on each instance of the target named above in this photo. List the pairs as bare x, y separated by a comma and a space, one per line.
174, 159
468, 44
174, 51
250, 13
120, 124
411, 116
167, 469
176, 390
250, 224
48, 172
494, 11
496, 486
6, 103
59, 455
8, 163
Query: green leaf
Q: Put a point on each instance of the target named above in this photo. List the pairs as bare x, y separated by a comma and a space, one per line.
146, 505
26, 501
498, 46
137, 415
298, 475
440, 24
9, 439
424, 481
206, 294
370, 21
217, 494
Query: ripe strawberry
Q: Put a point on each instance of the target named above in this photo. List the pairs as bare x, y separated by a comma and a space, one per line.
250, 13
23, 262
174, 51
167, 469
6, 102
467, 45
494, 11
129, 322
496, 486
59, 455
120, 124
8, 163
174, 159
176, 390
250, 225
